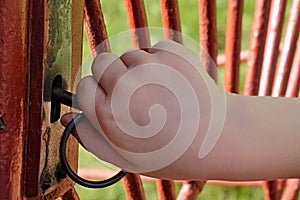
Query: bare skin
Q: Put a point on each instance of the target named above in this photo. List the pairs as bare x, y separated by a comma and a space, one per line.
235, 138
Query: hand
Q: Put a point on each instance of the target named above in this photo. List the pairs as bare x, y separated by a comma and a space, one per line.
150, 112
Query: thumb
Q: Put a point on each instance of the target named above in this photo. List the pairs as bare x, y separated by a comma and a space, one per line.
94, 142
65, 120
88, 93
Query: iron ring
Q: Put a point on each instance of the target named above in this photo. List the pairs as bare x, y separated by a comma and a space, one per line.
81, 181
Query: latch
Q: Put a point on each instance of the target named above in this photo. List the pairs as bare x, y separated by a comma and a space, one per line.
60, 96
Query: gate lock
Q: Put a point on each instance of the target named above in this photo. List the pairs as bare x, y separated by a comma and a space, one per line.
60, 96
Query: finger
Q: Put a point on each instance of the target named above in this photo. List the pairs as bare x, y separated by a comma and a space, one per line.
107, 69
136, 57
177, 49
88, 94
66, 119
171, 47
95, 142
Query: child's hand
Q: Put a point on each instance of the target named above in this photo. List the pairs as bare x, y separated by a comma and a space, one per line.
151, 111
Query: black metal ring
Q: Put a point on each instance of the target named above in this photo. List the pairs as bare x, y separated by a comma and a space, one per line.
81, 181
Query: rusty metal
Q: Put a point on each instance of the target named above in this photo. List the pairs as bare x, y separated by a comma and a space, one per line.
208, 42
95, 27
233, 45
13, 96
288, 50
256, 47
171, 20
172, 26
208, 34
292, 190
96, 33
51, 34
137, 20
272, 47
272, 189
294, 80
133, 187
190, 190
36, 50
70, 195
165, 190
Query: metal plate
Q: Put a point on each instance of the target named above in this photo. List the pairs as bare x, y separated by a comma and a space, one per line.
52, 36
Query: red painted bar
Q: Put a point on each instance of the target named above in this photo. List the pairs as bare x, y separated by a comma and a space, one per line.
294, 80
208, 34
95, 27
96, 32
190, 190
292, 190
35, 55
272, 47
171, 20
208, 41
13, 96
165, 190
172, 26
233, 45
288, 50
256, 47
133, 187
137, 20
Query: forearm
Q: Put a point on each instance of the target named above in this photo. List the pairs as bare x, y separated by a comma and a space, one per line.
260, 138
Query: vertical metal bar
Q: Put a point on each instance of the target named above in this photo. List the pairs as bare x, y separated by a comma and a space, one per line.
165, 190
13, 96
272, 47
294, 80
292, 190
133, 187
35, 61
96, 32
190, 190
208, 41
77, 45
288, 50
137, 20
171, 24
49, 42
274, 188
95, 27
208, 34
171, 20
256, 48
233, 45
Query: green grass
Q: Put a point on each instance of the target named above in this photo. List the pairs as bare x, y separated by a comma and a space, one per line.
116, 22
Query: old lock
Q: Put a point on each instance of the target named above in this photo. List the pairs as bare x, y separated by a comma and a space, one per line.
60, 96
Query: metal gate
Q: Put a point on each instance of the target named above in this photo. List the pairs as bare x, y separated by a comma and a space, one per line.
41, 42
